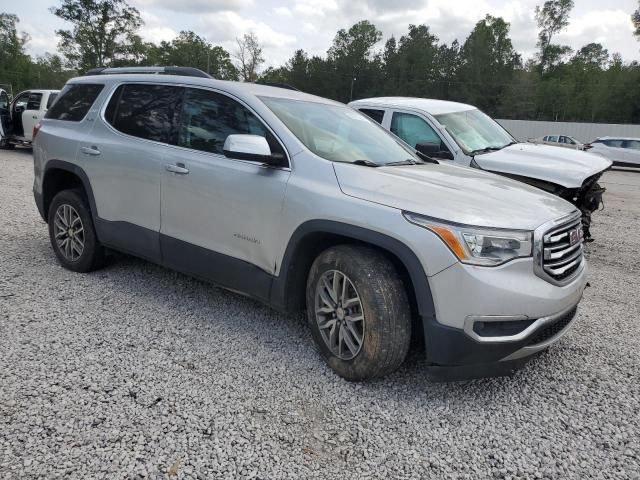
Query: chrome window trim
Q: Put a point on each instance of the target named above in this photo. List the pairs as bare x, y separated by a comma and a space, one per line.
470, 321
538, 248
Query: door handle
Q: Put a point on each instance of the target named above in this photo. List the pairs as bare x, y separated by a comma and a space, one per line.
179, 169
93, 150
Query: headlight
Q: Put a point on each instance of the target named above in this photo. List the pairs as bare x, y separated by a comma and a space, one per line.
478, 245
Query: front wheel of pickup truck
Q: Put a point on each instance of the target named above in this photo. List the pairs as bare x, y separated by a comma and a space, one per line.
358, 312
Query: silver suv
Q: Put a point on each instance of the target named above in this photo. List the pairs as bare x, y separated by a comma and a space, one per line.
306, 204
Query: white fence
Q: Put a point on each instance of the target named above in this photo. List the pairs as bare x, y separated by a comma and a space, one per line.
584, 132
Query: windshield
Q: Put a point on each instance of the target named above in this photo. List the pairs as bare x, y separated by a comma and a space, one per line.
338, 133
474, 130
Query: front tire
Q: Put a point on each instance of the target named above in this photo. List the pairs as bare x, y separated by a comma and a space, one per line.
358, 312
72, 233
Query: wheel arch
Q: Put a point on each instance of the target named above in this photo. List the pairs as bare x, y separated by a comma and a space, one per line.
315, 236
61, 175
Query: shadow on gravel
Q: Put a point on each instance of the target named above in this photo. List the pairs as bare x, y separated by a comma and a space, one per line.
233, 315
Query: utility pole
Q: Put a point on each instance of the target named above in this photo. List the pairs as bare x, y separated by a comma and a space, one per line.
208, 61
353, 79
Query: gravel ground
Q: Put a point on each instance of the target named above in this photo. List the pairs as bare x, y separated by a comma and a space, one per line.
138, 372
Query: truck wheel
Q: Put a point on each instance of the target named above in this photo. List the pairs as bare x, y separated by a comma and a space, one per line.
72, 233
358, 312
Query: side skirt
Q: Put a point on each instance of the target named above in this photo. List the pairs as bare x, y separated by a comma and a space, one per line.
198, 262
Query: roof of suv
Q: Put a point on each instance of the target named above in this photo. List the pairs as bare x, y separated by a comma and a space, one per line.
242, 88
434, 107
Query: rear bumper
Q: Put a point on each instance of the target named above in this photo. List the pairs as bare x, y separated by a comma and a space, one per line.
39, 203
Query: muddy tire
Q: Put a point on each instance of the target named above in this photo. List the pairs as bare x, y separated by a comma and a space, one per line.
358, 312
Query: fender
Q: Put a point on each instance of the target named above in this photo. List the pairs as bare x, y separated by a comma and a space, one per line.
77, 171
283, 285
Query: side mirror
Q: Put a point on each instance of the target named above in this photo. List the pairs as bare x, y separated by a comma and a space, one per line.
434, 150
250, 147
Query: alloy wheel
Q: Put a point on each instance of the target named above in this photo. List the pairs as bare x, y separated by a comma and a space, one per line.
339, 314
69, 232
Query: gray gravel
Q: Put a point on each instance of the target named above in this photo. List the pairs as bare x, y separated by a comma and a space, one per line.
139, 372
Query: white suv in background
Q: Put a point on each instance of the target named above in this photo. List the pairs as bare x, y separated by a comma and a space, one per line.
622, 151
465, 135
305, 204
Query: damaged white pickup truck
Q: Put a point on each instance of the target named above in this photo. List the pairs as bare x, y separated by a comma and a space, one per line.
462, 133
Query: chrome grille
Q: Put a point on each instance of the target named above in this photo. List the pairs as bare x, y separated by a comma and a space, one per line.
560, 250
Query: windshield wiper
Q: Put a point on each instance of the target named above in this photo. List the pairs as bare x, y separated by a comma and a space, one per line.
491, 149
408, 161
366, 163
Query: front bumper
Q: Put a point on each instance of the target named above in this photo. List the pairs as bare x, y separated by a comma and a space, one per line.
486, 315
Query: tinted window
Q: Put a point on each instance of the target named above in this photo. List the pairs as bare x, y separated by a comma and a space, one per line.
553, 139
633, 144
376, 115
74, 101
413, 129
613, 143
35, 99
208, 118
51, 99
146, 111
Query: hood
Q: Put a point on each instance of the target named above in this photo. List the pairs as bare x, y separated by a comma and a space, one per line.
562, 166
454, 194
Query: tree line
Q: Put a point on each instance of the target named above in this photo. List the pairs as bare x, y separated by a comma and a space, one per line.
485, 70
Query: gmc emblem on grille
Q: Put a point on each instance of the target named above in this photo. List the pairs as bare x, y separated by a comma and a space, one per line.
574, 236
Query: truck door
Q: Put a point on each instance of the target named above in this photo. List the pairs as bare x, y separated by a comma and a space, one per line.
31, 115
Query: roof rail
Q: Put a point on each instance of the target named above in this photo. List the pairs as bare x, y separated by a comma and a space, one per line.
184, 71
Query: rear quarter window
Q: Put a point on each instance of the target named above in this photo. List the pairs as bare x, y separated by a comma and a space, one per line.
74, 102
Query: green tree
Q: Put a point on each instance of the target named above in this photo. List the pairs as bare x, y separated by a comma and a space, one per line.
552, 18
488, 62
15, 64
418, 62
191, 50
592, 54
102, 33
351, 57
635, 19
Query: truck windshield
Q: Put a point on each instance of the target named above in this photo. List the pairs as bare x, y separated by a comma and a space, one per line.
338, 133
475, 131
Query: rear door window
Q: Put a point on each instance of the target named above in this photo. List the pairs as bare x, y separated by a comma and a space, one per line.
553, 139
146, 111
208, 118
413, 129
74, 102
376, 115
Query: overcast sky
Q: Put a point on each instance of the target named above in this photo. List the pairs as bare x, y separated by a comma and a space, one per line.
284, 26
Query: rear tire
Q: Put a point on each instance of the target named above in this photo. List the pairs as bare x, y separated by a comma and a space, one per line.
72, 232
358, 312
